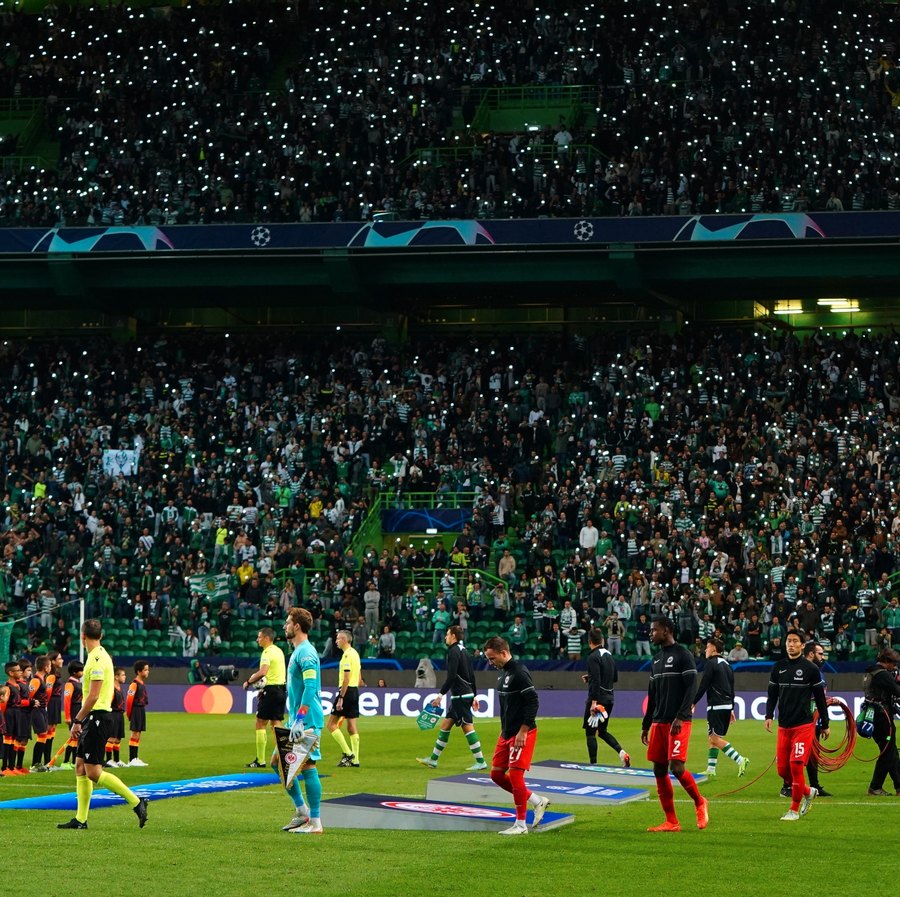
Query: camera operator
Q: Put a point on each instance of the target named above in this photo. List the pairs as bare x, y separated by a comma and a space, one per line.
882, 690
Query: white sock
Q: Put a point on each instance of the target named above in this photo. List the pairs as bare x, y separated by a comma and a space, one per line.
534, 799
302, 810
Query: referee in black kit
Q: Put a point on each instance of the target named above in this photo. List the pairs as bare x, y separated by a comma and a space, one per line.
270, 706
92, 727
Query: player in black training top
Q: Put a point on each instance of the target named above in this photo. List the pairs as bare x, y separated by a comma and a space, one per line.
666, 729
518, 733
717, 683
601, 679
460, 685
794, 684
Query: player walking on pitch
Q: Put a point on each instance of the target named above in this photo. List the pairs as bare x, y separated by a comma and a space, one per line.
460, 685
666, 729
518, 734
600, 678
717, 683
304, 696
794, 684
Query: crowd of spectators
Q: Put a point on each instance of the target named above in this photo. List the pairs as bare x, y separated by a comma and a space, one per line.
737, 481
312, 110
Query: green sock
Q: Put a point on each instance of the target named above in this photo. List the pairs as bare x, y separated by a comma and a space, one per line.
712, 758
261, 740
475, 745
354, 746
338, 736
84, 788
117, 786
731, 753
440, 744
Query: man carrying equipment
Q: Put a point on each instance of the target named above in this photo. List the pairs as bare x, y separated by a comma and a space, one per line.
666, 729
460, 684
518, 734
601, 677
793, 685
91, 728
346, 704
304, 697
882, 690
270, 705
717, 683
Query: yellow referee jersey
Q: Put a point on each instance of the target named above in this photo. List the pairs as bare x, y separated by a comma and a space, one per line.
273, 656
99, 666
350, 664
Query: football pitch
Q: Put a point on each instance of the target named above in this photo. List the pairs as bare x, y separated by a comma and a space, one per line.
229, 844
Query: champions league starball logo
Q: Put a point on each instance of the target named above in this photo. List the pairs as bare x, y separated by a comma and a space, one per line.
260, 236
583, 231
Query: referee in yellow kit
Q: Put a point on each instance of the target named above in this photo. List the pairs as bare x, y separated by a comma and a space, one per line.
346, 704
272, 698
93, 727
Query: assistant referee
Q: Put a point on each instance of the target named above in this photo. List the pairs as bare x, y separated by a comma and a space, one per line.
92, 726
346, 703
272, 698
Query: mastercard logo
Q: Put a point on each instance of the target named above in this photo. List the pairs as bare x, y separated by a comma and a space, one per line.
208, 699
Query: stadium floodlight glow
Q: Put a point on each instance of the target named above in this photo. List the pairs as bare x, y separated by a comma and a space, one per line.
840, 305
788, 307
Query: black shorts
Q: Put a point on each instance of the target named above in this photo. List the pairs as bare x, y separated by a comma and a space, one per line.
271, 702
349, 706
460, 711
39, 724
718, 722
95, 732
587, 714
23, 725
54, 711
137, 722
118, 724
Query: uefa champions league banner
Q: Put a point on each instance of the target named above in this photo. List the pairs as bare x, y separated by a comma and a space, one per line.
788, 227
409, 702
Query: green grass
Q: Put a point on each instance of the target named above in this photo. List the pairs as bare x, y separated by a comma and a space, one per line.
230, 845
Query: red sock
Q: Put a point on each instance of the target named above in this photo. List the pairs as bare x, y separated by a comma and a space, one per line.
689, 785
798, 785
499, 777
519, 792
666, 796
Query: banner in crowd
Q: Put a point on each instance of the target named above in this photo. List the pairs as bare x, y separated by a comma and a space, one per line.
788, 226
211, 587
408, 702
120, 462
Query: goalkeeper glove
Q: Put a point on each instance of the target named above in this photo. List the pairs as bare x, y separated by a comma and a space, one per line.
598, 715
297, 729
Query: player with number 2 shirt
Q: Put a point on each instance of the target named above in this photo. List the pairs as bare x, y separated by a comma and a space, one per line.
666, 729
